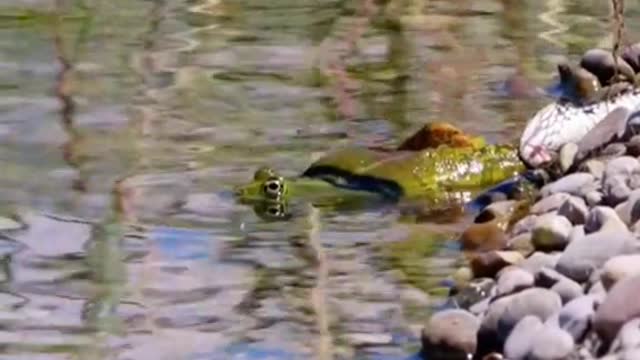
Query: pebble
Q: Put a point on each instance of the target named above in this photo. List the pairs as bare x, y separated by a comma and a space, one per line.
628, 337
586, 254
487, 264
629, 211
534, 301
513, 279
593, 167
549, 203
551, 232
524, 225
450, 333
574, 184
620, 306
623, 165
551, 343
633, 146
484, 237
575, 210
619, 267
593, 197
601, 217
615, 190
575, 316
518, 344
521, 243
539, 260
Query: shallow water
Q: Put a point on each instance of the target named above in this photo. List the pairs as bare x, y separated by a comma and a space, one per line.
125, 124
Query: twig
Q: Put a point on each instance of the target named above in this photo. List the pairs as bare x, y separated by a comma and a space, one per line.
618, 31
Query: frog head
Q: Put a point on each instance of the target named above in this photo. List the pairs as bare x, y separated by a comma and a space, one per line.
266, 185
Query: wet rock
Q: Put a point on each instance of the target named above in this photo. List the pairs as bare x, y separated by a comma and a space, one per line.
513, 279
603, 218
551, 343
524, 225
476, 290
574, 184
549, 203
551, 232
484, 237
521, 243
620, 306
575, 210
619, 267
450, 334
584, 255
629, 211
518, 344
487, 264
539, 260
593, 167
575, 317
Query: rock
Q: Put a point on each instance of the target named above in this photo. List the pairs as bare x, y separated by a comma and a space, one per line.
505, 312
483, 237
614, 150
602, 64
521, 243
524, 225
575, 316
574, 184
633, 146
575, 210
497, 210
451, 333
566, 288
549, 203
629, 211
539, 260
601, 218
586, 254
593, 167
551, 232
567, 156
473, 292
628, 337
620, 306
619, 267
513, 279
518, 344
623, 165
551, 343
593, 198
487, 264
615, 190
597, 289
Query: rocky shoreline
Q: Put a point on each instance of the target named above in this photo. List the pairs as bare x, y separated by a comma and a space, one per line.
559, 281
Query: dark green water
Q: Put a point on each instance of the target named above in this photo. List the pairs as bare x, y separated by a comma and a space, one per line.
124, 125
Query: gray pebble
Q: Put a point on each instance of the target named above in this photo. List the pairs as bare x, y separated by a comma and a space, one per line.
620, 306
551, 343
575, 316
513, 279
450, 332
533, 301
593, 198
551, 232
629, 211
524, 225
549, 203
539, 260
619, 267
575, 210
601, 218
623, 165
615, 189
574, 184
628, 337
518, 344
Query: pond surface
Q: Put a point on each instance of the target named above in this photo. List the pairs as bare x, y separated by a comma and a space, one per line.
125, 124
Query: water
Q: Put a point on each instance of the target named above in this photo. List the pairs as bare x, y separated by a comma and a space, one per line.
125, 124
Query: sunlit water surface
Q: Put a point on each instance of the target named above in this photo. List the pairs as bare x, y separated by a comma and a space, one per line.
124, 125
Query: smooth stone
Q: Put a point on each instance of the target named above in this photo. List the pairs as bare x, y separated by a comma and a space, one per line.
451, 333
619, 267
518, 344
549, 203
615, 190
623, 165
584, 255
533, 301
539, 260
593, 198
575, 210
513, 279
473, 292
488, 264
484, 237
524, 225
629, 211
574, 184
602, 64
614, 150
634, 180
567, 156
620, 306
633, 146
547, 277
597, 289
576, 315
631, 54
593, 167
521, 243
551, 343
603, 218
628, 337
551, 232
566, 288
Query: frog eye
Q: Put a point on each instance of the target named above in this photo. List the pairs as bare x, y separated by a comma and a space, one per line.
274, 188
276, 211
